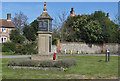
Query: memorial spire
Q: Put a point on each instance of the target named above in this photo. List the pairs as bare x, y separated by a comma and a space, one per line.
45, 8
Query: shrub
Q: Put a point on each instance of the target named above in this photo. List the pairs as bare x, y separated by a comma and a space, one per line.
54, 41
65, 63
16, 37
27, 48
22, 62
8, 47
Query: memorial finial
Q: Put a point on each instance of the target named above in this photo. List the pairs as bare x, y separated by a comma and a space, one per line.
45, 8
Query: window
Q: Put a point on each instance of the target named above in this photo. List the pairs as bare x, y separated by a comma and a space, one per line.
3, 39
3, 29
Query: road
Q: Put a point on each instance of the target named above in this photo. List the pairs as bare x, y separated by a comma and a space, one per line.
23, 56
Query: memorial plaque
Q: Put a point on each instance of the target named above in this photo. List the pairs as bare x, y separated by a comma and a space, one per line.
50, 26
49, 44
43, 25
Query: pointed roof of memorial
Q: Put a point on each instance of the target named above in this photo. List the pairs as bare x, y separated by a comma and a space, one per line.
44, 15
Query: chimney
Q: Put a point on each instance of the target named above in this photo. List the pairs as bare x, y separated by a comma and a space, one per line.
8, 17
108, 15
72, 13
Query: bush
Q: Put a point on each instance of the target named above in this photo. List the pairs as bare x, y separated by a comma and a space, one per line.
65, 63
46, 64
16, 37
54, 41
27, 48
8, 47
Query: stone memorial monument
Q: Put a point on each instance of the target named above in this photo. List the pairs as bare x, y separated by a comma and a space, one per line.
44, 36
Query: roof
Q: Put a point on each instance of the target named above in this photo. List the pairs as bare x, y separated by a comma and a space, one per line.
44, 15
5, 23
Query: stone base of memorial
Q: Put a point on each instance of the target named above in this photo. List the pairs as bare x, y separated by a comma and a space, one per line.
42, 57
38, 68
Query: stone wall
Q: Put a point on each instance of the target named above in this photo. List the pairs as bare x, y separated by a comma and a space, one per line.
87, 48
113, 47
37, 68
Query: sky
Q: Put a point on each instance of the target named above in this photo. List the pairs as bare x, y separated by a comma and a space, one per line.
33, 9
60, 0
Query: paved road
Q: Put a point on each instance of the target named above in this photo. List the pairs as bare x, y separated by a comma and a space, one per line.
14, 56
23, 56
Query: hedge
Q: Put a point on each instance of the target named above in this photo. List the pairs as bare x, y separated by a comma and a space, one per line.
66, 63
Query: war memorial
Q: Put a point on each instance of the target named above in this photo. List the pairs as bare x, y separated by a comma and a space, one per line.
74, 60
44, 36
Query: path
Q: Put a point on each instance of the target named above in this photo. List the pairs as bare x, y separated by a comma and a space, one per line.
23, 56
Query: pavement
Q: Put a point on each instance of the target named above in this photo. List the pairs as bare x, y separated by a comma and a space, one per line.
14, 56
24, 56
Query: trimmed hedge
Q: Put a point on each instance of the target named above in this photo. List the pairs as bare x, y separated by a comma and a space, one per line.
65, 63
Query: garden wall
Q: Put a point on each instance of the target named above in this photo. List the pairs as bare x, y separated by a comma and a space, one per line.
88, 48
113, 47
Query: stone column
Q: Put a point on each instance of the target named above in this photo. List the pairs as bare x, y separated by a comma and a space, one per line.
44, 45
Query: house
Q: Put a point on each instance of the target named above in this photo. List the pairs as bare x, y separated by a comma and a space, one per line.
6, 26
72, 13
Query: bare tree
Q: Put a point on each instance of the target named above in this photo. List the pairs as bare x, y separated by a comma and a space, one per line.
117, 19
58, 22
59, 19
19, 21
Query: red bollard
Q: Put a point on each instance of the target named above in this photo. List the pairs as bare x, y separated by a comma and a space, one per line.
54, 56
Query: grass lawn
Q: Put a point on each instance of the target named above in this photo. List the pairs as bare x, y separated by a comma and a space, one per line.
88, 67
9, 53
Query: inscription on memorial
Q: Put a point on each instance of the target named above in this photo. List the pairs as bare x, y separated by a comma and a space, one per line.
43, 25
50, 26
49, 44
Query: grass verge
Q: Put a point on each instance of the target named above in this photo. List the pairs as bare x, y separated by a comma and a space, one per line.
88, 67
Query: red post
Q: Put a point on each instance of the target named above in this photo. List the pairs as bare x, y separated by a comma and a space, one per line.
54, 56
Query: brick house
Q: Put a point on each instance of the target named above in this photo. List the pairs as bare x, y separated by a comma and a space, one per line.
6, 26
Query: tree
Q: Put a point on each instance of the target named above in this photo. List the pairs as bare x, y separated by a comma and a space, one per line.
117, 21
94, 28
58, 22
109, 28
16, 37
30, 31
19, 21
104, 23
69, 33
34, 25
92, 32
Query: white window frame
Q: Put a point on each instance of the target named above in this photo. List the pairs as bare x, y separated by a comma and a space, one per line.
4, 30
4, 39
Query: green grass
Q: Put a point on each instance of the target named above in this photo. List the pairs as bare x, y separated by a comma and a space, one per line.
88, 67
9, 53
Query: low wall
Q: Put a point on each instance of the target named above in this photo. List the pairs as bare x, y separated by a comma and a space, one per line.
88, 48
37, 68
